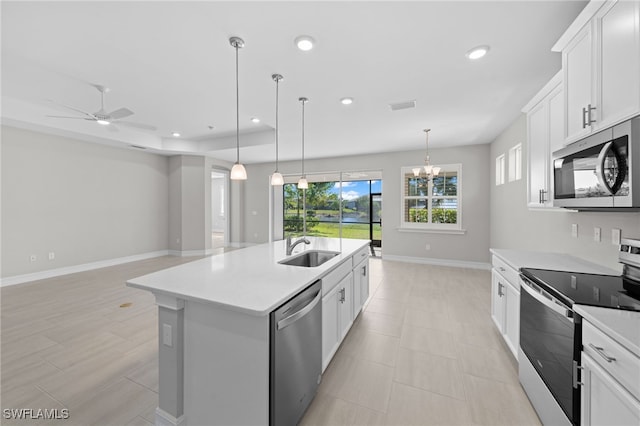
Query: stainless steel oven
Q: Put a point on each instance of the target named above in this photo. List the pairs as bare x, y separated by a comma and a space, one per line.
549, 330
598, 172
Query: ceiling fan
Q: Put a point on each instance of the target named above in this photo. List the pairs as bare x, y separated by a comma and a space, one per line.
108, 119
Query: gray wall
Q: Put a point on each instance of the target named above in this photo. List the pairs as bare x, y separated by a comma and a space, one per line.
470, 247
514, 226
83, 201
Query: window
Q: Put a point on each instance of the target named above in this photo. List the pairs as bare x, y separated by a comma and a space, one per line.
432, 204
500, 169
515, 163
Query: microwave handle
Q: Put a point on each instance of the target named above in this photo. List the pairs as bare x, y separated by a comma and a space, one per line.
600, 168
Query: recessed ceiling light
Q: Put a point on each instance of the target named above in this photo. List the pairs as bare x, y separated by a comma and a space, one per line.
477, 52
255, 120
346, 101
175, 134
304, 42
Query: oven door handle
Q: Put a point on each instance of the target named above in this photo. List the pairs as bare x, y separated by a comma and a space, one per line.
549, 303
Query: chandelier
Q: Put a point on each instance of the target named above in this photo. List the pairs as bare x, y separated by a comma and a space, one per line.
430, 171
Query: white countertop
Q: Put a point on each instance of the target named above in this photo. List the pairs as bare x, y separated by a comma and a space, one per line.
622, 326
249, 280
518, 259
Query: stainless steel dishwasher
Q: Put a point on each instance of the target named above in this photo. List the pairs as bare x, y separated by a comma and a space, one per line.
296, 356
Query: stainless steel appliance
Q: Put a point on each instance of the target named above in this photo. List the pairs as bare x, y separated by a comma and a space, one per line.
598, 172
551, 332
296, 355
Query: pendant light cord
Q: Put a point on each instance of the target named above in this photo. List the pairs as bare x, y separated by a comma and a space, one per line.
237, 111
303, 102
277, 85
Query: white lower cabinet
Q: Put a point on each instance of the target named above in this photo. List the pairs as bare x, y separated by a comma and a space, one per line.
604, 400
338, 309
610, 380
505, 303
360, 285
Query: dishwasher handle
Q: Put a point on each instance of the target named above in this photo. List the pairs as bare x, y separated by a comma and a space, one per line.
287, 321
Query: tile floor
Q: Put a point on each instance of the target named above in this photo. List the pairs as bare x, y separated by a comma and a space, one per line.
422, 352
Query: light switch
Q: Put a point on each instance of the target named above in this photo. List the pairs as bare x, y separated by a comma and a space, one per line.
167, 338
574, 230
615, 237
596, 234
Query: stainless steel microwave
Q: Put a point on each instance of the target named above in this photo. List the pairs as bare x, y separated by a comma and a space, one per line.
601, 171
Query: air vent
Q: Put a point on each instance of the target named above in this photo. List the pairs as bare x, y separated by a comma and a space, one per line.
403, 105
137, 147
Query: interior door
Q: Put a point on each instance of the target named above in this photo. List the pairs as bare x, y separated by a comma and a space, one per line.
375, 226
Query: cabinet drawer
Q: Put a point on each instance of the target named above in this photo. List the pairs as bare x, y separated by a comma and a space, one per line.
506, 271
359, 256
618, 361
332, 279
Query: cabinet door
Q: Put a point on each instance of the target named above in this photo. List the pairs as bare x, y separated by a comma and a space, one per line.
619, 43
537, 143
346, 304
331, 336
364, 281
356, 300
497, 300
512, 317
577, 65
604, 400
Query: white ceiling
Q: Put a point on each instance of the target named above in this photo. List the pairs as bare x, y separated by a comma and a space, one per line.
172, 64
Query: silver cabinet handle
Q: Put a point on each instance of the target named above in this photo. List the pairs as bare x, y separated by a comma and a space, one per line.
590, 119
600, 351
500, 292
364, 271
541, 196
584, 118
502, 269
343, 297
576, 368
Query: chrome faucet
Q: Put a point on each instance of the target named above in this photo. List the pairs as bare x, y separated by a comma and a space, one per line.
291, 246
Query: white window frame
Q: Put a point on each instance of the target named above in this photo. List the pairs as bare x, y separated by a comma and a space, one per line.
500, 170
434, 227
515, 163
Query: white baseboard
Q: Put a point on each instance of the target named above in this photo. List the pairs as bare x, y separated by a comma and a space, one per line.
165, 419
189, 253
50, 273
440, 262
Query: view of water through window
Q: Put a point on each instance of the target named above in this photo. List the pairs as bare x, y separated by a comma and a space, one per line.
361, 203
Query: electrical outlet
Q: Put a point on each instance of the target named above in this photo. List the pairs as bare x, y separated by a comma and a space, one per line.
615, 237
33, 258
167, 338
574, 230
596, 234
52, 255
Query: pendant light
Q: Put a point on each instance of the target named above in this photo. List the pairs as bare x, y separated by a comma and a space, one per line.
276, 177
238, 172
302, 183
430, 170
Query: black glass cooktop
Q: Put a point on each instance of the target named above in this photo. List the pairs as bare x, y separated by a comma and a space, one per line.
609, 291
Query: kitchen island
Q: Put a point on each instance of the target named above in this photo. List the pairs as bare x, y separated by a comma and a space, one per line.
213, 322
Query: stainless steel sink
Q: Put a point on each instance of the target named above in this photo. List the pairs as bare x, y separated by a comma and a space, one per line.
310, 258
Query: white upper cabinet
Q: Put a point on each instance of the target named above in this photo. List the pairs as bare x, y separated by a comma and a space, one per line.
601, 65
545, 130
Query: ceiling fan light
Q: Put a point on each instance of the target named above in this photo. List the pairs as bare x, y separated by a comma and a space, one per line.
238, 172
277, 179
302, 183
103, 122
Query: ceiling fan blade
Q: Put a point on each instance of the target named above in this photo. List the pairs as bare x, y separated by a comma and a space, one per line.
72, 108
120, 113
137, 125
77, 118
